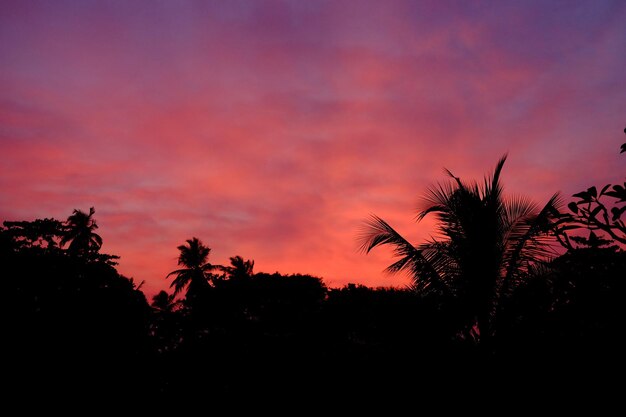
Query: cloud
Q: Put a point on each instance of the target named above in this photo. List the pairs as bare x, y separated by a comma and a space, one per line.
271, 131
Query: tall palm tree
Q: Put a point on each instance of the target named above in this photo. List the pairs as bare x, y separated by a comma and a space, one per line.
79, 232
486, 244
196, 272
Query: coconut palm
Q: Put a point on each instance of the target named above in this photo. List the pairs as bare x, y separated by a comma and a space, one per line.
196, 272
486, 244
79, 232
239, 268
164, 302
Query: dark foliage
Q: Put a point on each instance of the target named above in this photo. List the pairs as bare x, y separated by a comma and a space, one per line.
595, 217
82, 334
72, 325
486, 244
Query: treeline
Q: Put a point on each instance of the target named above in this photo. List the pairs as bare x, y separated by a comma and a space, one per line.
80, 330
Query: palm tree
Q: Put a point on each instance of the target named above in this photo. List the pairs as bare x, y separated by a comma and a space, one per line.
239, 268
164, 302
79, 231
486, 244
196, 274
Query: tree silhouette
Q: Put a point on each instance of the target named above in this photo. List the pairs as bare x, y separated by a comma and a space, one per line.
164, 302
69, 315
80, 233
40, 233
486, 245
166, 326
239, 268
196, 275
593, 212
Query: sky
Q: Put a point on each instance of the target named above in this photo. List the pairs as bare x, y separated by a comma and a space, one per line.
273, 129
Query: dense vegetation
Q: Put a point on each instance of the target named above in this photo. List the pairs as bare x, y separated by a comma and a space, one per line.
490, 309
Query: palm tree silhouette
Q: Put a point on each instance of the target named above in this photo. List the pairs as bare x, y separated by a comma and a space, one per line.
239, 268
196, 274
79, 232
486, 244
164, 302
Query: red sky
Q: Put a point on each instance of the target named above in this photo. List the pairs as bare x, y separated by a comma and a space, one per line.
272, 129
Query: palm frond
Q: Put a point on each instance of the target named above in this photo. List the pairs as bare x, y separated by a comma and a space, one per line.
183, 277
529, 239
377, 232
517, 210
518, 207
495, 187
437, 199
442, 259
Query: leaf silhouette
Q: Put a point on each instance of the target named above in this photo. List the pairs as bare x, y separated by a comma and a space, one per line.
595, 212
617, 213
606, 187
593, 192
583, 195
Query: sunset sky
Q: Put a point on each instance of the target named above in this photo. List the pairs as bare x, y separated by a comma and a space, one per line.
272, 129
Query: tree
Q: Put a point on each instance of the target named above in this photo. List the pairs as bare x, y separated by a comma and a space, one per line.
70, 315
239, 268
79, 232
196, 275
591, 211
164, 302
40, 233
487, 244
166, 327
50, 235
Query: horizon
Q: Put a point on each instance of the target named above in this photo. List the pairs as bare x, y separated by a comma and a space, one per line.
273, 130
